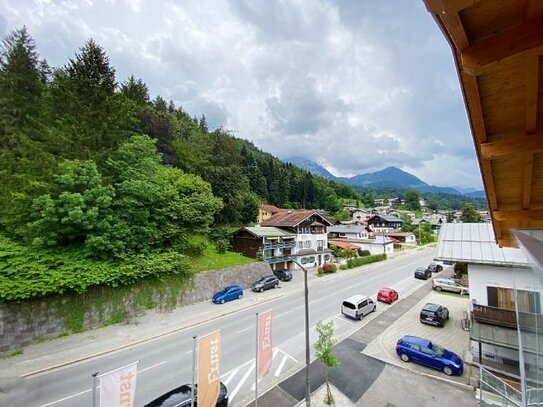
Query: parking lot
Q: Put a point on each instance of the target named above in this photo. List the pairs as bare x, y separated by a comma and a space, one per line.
451, 336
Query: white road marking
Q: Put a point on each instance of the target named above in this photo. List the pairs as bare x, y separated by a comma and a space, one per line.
230, 377
67, 398
243, 330
342, 318
281, 365
285, 353
284, 313
97, 387
151, 367
241, 382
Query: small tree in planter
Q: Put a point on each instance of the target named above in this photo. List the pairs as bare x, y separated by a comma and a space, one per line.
324, 350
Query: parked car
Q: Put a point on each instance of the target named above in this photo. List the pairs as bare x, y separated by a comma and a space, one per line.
434, 314
228, 293
358, 306
181, 397
435, 268
283, 274
265, 283
425, 352
422, 273
386, 294
445, 284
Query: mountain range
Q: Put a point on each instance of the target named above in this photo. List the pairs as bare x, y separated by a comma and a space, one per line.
389, 177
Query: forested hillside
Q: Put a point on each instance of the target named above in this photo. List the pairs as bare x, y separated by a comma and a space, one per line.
92, 168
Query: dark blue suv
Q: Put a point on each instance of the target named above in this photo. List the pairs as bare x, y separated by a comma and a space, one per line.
423, 351
228, 293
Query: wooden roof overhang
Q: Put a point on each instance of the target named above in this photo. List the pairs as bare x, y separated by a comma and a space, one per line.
498, 47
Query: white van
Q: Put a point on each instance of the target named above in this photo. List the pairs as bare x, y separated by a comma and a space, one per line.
357, 306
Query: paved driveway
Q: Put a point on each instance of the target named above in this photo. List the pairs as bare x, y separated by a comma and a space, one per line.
452, 336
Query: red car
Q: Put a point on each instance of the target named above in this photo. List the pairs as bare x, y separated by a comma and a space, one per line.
387, 295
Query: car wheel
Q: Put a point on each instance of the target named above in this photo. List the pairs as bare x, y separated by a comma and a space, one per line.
438, 288
276, 285
447, 370
374, 308
462, 292
239, 296
222, 301
261, 290
405, 357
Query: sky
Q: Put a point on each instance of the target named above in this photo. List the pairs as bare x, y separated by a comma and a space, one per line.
353, 85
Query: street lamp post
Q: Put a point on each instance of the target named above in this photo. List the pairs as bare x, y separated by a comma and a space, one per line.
307, 361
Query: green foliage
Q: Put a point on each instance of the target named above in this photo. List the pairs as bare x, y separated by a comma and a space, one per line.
343, 267
470, 214
29, 272
360, 261
324, 351
412, 199
363, 253
342, 214
424, 233
460, 269
220, 237
327, 268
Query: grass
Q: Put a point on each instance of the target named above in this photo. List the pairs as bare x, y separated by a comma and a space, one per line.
465, 296
211, 260
12, 354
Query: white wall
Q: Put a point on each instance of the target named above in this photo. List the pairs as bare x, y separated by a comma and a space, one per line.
481, 277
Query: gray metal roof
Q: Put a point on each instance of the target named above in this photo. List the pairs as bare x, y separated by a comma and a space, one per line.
347, 229
269, 231
475, 243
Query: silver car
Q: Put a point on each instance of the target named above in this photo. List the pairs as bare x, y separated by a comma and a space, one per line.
443, 284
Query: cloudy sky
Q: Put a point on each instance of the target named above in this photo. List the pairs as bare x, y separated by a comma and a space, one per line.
354, 85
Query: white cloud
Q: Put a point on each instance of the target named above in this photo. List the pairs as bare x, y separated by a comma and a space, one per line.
356, 85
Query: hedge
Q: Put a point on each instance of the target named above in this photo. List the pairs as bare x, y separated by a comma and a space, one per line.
360, 261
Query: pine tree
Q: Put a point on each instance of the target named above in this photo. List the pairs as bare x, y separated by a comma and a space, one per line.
135, 90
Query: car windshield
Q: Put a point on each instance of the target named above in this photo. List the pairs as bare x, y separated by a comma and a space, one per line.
383, 292
224, 291
440, 351
261, 280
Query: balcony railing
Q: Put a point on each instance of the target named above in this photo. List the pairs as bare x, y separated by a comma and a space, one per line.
508, 319
279, 245
278, 259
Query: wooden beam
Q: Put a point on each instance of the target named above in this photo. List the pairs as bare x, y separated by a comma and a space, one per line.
472, 99
488, 180
517, 145
533, 10
448, 6
527, 173
518, 215
525, 37
532, 91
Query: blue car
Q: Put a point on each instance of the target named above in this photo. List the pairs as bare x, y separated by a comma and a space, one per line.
423, 351
228, 293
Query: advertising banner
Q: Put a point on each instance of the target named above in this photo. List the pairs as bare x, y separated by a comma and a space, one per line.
209, 378
264, 343
118, 387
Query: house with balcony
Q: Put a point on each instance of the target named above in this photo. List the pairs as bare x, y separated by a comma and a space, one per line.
275, 246
310, 229
359, 237
505, 300
267, 211
385, 223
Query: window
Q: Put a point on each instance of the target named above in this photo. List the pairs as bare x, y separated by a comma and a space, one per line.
307, 243
303, 260
528, 301
311, 260
363, 304
300, 245
320, 244
426, 351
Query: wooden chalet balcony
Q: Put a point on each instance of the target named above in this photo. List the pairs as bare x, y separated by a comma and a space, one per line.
508, 319
280, 245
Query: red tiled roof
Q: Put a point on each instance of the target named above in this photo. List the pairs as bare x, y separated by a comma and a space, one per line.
342, 244
288, 218
273, 208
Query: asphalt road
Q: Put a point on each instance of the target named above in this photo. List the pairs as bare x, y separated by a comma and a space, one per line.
166, 362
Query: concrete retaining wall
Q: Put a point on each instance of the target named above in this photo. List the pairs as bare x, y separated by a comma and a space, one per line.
22, 323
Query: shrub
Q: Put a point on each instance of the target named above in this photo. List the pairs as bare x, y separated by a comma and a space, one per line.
360, 261
363, 253
329, 268
343, 267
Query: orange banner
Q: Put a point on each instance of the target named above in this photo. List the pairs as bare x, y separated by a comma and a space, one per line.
209, 378
264, 343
